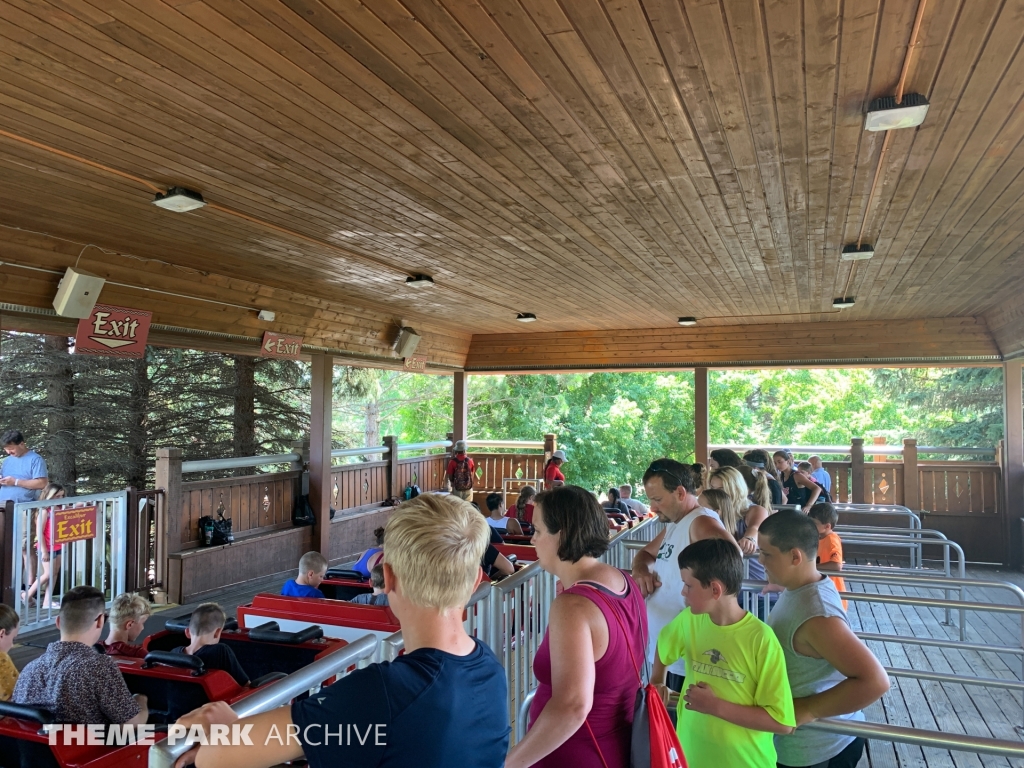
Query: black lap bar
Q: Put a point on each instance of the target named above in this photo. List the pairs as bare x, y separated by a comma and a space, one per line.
180, 624
26, 712
172, 659
345, 573
271, 633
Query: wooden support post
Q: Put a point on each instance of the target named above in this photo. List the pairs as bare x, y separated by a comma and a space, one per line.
700, 415
7, 554
392, 458
550, 446
857, 471
1013, 457
911, 481
460, 420
168, 524
320, 432
878, 456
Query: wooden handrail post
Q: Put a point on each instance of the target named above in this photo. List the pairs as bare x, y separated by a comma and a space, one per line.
1013, 457
168, 524
460, 401
550, 446
701, 437
911, 479
7, 585
391, 441
320, 434
857, 470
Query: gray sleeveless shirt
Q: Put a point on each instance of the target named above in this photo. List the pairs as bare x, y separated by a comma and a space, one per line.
808, 675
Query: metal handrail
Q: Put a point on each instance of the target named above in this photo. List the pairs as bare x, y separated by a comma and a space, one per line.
525, 444
342, 452
163, 755
881, 510
425, 446
239, 462
871, 450
391, 647
919, 737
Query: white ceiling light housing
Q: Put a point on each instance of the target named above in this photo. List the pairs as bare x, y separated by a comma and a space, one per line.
179, 200
526, 317
853, 253
267, 316
885, 114
687, 321
843, 303
419, 281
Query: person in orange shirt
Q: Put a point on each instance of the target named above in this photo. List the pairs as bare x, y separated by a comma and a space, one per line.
830, 548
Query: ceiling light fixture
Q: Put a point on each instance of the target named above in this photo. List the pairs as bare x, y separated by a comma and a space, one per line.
887, 114
843, 303
179, 200
526, 317
419, 281
857, 253
267, 316
687, 321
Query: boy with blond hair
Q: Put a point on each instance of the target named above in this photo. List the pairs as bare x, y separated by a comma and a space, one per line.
203, 631
738, 694
312, 570
128, 615
442, 703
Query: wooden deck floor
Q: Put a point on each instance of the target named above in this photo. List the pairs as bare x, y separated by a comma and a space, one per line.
974, 710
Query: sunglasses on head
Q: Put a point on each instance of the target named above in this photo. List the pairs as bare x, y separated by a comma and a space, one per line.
661, 470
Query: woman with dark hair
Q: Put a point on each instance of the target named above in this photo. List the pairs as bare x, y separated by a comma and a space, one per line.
553, 477
523, 509
615, 505
724, 457
758, 458
587, 682
799, 488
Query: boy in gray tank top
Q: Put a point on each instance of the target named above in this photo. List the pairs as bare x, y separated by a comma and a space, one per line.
831, 672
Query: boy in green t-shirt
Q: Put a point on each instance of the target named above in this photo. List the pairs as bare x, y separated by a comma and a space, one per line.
738, 693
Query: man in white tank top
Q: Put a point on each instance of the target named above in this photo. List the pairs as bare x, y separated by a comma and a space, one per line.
670, 488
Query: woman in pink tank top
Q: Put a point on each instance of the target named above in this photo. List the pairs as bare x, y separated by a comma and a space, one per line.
586, 671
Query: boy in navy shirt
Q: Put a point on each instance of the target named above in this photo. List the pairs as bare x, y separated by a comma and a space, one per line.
443, 703
312, 570
203, 632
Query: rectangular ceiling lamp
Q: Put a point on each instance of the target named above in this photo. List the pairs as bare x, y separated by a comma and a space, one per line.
885, 114
853, 253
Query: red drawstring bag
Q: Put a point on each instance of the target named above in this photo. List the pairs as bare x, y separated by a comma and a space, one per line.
654, 743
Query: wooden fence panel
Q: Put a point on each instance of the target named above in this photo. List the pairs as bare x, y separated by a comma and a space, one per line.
884, 481
839, 471
253, 503
354, 485
961, 499
493, 468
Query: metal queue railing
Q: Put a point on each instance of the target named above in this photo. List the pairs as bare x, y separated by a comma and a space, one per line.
164, 755
876, 731
752, 588
519, 606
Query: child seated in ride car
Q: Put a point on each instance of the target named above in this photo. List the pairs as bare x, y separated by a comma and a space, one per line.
128, 616
738, 693
377, 597
9, 622
312, 571
73, 681
204, 630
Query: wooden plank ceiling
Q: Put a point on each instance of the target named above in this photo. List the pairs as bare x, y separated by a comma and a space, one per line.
603, 164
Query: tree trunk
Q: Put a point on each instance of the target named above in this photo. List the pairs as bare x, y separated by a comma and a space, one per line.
244, 421
60, 413
371, 427
138, 422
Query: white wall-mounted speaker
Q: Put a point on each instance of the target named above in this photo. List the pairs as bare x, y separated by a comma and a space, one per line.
77, 294
407, 342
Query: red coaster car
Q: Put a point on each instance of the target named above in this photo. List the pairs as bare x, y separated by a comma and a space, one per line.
522, 552
347, 621
344, 584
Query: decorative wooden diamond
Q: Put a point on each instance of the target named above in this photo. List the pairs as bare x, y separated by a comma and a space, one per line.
959, 490
883, 486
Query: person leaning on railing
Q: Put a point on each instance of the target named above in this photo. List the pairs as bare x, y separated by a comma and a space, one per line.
443, 703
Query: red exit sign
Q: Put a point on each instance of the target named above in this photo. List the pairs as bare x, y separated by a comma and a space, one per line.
114, 331
279, 345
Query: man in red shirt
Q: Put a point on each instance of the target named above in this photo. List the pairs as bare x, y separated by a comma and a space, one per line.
460, 472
